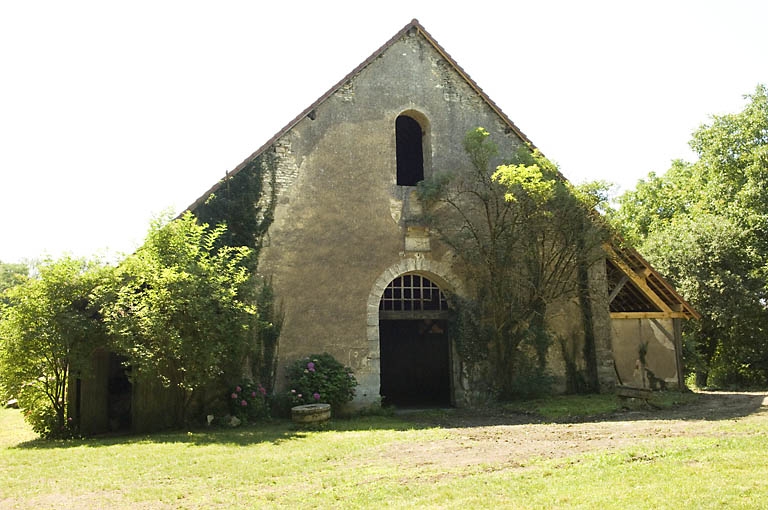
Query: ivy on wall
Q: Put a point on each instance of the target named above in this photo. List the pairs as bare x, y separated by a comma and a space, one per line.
245, 201
239, 202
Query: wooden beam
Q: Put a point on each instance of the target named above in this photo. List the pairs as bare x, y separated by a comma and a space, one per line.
637, 280
678, 333
617, 289
648, 315
670, 336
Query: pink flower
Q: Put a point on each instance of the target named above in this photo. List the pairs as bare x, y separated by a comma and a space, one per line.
234, 395
262, 390
311, 366
317, 396
299, 395
238, 389
243, 403
253, 394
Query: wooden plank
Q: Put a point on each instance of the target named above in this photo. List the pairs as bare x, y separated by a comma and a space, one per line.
619, 286
631, 392
647, 315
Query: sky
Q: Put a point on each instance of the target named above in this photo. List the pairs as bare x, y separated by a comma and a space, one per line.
113, 112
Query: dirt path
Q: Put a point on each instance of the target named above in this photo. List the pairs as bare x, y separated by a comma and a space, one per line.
514, 438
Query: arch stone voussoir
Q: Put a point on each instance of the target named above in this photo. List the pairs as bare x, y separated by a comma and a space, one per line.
436, 271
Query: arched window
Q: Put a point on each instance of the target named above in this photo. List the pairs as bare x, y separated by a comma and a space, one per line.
412, 293
410, 152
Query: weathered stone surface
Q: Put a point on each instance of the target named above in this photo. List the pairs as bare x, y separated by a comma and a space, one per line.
311, 413
336, 228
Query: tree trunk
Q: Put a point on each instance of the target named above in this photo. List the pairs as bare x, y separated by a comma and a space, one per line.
701, 378
590, 351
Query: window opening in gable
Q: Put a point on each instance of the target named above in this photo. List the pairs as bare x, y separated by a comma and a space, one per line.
412, 292
410, 152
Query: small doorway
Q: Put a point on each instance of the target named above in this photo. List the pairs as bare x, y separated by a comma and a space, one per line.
119, 394
415, 348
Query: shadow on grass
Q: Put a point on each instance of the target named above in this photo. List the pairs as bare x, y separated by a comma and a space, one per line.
274, 432
708, 406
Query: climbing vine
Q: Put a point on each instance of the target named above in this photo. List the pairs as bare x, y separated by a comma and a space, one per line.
522, 234
241, 204
469, 331
245, 202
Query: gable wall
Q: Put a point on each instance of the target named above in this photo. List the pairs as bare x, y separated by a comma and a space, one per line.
340, 219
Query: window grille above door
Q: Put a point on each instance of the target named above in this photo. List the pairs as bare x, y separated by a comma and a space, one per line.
413, 293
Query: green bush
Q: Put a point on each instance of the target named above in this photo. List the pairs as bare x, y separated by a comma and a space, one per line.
319, 378
41, 415
248, 402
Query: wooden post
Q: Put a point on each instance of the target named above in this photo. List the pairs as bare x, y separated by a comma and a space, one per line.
677, 327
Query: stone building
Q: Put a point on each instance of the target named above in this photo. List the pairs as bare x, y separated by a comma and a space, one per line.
357, 278
346, 258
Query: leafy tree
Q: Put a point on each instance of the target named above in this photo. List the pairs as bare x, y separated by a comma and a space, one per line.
525, 237
179, 313
48, 331
705, 226
245, 202
12, 274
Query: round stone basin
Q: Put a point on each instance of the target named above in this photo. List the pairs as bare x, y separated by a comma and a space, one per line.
311, 413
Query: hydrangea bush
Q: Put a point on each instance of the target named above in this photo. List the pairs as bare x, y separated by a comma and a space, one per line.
248, 402
320, 379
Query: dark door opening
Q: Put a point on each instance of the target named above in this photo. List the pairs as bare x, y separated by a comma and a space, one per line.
415, 363
119, 394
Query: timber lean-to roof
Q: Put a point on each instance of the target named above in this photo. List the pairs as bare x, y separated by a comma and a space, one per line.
636, 289
413, 25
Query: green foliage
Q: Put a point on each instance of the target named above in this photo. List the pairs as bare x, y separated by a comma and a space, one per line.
179, 312
49, 329
704, 225
41, 415
522, 233
12, 275
531, 180
248, 402
471, 335
319, 378
240, 202
187, 308
268, 324
245, 202
531, 378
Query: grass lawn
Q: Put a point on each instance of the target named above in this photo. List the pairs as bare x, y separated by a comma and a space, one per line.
393, 462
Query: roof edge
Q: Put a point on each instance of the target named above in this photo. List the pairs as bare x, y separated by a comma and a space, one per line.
472, 83
618, 249
414, 24
305, 112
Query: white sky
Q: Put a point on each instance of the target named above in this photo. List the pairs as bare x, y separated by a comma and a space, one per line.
111, 112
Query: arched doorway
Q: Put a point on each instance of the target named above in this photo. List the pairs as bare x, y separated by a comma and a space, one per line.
415, 363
